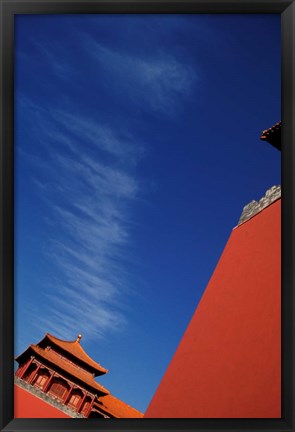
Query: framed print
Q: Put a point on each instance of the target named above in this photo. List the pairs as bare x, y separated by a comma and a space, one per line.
147, 197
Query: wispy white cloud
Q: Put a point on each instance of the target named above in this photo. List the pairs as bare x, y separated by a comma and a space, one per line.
104, 179
100, 136
159, 81
54, 59
84, 169
73, 131
89, 202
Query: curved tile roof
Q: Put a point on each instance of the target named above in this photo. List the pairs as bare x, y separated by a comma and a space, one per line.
118, 408
76, 350
74, 371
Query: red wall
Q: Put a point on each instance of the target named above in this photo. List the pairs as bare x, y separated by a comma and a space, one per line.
228, 363
27, 405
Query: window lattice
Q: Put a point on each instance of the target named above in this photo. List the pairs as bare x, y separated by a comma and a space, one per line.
58, 389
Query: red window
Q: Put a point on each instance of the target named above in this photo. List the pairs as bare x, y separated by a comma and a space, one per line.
41, 380
75, 399
58, 390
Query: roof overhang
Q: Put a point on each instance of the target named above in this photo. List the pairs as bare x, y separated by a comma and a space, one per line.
273, 135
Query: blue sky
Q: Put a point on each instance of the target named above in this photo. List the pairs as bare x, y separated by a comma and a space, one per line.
137, 146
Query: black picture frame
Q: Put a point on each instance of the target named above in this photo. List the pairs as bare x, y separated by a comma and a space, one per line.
8, 9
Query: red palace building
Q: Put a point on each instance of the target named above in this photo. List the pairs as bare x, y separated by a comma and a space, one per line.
55, 379
228, 363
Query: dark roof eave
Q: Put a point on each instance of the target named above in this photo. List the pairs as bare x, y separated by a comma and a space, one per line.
273, 135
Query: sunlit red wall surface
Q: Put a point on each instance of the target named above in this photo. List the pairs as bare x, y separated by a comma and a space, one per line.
228, 363
26, 405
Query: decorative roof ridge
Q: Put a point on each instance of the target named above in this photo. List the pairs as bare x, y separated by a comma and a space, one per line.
255, 207
271, 129
62, 340
80, 355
